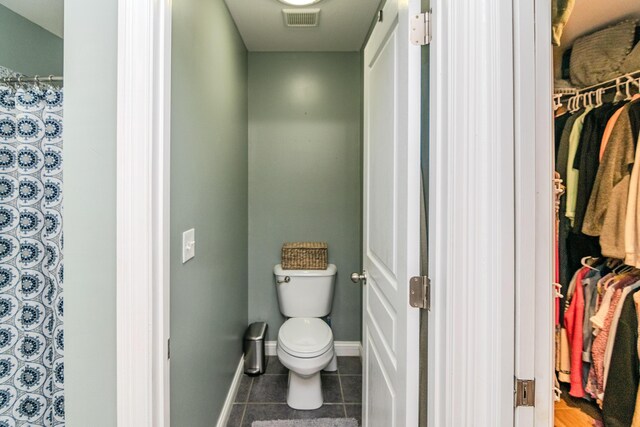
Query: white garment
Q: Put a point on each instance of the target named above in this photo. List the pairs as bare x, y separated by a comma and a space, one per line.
597, 320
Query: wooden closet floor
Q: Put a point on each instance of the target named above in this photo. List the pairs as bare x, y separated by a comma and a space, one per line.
566, 416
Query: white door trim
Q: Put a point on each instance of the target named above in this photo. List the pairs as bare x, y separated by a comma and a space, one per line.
534, 199
143, 150
471, 214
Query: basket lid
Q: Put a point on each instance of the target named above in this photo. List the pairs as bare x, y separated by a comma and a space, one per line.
305, 245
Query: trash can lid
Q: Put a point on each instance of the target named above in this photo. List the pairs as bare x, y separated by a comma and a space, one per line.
256, 331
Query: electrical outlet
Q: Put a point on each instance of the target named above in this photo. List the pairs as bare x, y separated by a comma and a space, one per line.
188, 245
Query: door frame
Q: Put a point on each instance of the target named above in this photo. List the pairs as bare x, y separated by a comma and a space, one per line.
486, 326
143, 183
471, 214
535, 213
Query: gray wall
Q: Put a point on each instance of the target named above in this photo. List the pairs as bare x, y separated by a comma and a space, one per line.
304, 173
209, 193
28, 48
90, 212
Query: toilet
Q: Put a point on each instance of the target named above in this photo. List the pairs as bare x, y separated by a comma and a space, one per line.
305, 341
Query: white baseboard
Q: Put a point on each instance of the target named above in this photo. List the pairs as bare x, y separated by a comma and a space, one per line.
343, 348
231, 395
348, 348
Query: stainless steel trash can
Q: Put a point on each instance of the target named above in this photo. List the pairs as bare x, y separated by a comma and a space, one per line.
254, 356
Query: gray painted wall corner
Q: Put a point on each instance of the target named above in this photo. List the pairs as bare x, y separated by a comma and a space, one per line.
28, 48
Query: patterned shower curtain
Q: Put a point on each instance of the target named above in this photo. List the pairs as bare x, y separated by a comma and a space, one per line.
31, 268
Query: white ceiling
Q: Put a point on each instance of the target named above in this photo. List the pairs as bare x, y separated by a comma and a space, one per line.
49, 14
590, 15
343, 25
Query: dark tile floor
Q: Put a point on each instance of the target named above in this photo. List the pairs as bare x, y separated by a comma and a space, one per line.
264, 397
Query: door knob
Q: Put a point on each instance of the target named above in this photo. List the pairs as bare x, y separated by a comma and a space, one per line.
358, 277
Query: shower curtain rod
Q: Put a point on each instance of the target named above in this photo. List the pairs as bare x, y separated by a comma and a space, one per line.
34, 79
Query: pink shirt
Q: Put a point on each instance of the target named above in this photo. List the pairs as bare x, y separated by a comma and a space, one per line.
573, 319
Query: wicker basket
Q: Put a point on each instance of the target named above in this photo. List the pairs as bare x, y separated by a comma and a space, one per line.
305, 256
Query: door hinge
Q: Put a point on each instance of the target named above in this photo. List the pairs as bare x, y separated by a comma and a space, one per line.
168, 348
525, 392
420, 292
421, 28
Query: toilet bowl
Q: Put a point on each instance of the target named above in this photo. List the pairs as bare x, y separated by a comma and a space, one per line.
305, 341
305, 347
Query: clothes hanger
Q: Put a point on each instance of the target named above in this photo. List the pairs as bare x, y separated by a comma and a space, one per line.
570, 104
622, 268
627, 88
600, 94
557, 290
584, 260
557, 391
612, 263
618, 96
575, 103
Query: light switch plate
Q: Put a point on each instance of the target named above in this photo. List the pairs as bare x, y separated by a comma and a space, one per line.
188, 245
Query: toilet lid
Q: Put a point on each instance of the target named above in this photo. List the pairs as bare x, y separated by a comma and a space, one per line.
305, 337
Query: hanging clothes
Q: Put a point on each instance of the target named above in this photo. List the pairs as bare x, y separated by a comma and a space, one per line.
597, 249
596, 372
565, 360
559, 123
606, 211
596, 383
613, 330
572, 172
577, 244
590, 299
574, 317
564, 226
597, 320
632, 217
586, 160
607, 132
624, 374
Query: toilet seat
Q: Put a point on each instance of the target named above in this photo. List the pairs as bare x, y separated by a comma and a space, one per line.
305, 337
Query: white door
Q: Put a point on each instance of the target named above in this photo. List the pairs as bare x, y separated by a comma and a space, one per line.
391, 209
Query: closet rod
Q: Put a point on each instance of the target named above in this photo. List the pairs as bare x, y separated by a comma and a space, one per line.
34, 79
606, 85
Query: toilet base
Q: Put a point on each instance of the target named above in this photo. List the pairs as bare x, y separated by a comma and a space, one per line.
333, 365
304, 392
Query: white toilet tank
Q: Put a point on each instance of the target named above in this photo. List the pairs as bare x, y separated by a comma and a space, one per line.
305, 293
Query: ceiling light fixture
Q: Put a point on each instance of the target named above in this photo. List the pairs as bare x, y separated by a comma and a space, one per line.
299, 2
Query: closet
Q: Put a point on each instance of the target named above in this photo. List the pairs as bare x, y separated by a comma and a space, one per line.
597, 186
